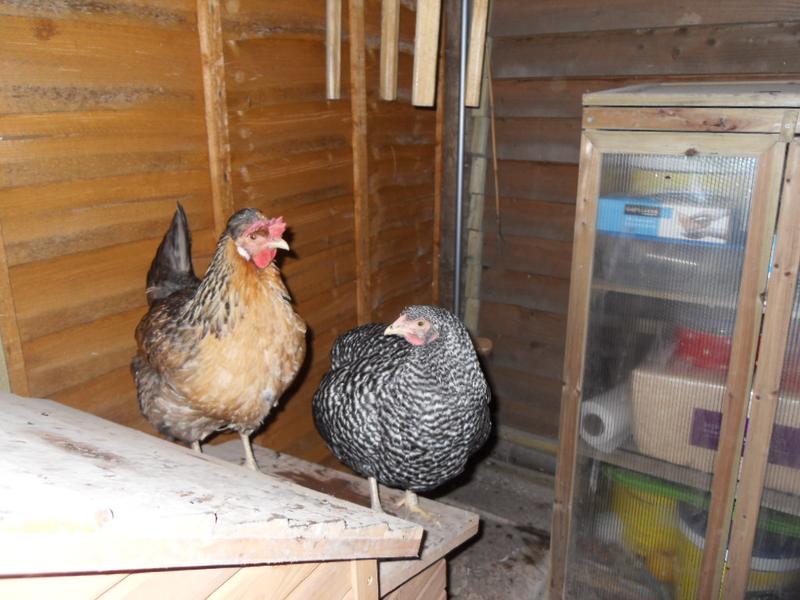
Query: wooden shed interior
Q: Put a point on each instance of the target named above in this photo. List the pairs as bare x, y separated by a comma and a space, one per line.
113, 111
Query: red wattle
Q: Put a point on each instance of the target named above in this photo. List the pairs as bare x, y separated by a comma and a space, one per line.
262, 259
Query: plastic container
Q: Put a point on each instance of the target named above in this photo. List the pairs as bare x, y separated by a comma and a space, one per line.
775, 565
647, 510
704, 335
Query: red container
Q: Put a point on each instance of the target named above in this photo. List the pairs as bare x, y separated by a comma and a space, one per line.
703, 349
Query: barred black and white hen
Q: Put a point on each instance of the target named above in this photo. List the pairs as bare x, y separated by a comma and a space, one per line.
405, 405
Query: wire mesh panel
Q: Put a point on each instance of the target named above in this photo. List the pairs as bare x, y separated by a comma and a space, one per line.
668, 256
775, 563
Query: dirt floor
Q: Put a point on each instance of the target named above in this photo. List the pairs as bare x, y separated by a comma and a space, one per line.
508, 559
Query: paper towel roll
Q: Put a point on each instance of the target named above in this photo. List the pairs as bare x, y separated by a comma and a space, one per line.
606, 419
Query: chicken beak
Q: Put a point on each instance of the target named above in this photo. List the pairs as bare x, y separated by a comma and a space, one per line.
279, 243
397, 328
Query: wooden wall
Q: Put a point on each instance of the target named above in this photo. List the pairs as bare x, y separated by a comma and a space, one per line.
103, 129
546, 55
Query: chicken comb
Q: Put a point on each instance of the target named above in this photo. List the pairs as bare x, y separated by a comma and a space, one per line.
275, 227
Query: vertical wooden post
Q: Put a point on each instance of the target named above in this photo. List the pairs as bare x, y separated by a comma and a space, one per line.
364, 577
438, 174
333, 49
477, 46
572, 389
209, 29
426, 41
737, 388
390, 34
764, 404
358, 108
9, 330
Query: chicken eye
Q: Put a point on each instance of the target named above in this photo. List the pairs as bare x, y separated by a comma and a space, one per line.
253, 236
420, 323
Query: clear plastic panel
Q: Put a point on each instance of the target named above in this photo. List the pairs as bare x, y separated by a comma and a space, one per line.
668, 257
775, 564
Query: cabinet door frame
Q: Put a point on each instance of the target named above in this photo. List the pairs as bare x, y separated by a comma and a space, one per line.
769, 149
781, 289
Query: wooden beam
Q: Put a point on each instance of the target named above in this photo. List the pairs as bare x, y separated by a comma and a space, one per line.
390, 32
209, 29
358, 108
577, 326
426, 41
743, 349
333, 49
777, 323
9, 329
477, 47
364, 579
438, 174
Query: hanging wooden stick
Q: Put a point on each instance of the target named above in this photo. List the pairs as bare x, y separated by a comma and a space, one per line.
477, 46
494, 151
426, 42
390, 33
333, 48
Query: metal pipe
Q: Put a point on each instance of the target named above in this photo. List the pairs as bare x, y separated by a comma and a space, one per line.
462, 77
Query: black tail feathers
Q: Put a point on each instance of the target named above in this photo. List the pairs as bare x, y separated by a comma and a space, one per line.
171, 269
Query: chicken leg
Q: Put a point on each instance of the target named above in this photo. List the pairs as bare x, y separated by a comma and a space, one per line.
411, 502
196, 446
375, 499
249, 457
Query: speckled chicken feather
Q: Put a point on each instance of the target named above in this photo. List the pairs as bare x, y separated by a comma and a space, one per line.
410, 416
217, 353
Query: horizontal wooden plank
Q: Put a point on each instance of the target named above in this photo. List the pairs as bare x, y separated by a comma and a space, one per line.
738, 120
36, 235
117, 275
259, 62
507, 319
179, 14
522, 17
537, 292
538, 140
528, 356
389, 309
531, 218
546, 182
529, 255
397, 278
734, 49
526, 402
39, 52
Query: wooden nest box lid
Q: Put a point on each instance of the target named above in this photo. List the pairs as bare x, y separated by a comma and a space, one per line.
741, 94
82, 494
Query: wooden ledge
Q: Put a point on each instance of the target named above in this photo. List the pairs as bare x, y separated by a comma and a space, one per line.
82, 494
449, 528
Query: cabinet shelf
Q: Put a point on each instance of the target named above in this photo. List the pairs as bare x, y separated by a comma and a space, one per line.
672, 295
647, 465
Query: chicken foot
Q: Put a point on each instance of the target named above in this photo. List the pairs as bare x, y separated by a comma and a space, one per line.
196, 446
249, 457
411, 502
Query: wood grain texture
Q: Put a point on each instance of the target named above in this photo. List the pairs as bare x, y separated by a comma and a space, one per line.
426, 46
781, 289
333, 49
477, 47
520, 17
390, 32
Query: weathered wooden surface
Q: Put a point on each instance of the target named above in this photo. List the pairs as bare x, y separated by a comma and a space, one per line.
446, 530
83, 494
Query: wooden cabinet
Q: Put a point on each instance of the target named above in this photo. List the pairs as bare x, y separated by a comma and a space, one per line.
679, 459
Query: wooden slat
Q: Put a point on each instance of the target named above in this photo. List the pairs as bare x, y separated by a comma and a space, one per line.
438, 169
333, 49
738, 120
781, 292
508, 319
14, 360
538, 292
533, 219
477, 46
427, 585
583, 254
358, 106
390, 31
68, 587
521, 17
736, 49
178, 584
426, 42
528, 254
743, 349
209, 29
538, 140
364, 579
